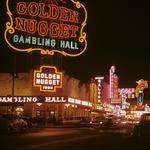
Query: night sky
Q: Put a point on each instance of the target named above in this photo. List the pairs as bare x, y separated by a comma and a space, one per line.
118, 33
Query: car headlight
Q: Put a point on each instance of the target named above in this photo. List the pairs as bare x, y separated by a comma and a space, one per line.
100, 122
123, 122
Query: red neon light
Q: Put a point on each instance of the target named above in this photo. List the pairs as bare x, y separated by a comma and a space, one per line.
48, 11
44, 28
21, 8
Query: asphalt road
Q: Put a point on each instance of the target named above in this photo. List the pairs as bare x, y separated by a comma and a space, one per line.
71, 139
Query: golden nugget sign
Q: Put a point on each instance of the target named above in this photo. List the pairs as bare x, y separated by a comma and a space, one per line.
47, 79
48, 26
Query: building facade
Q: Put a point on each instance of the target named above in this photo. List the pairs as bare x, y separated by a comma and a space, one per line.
73, 99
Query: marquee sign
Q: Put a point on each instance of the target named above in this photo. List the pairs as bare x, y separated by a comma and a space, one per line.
32, 99
19, 100
47, 78
48, 26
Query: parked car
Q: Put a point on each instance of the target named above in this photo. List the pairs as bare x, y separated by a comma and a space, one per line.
81, 121
84, 121
142, 129
10, 123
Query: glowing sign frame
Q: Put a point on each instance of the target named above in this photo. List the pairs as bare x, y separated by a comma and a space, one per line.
82, 37
40, 71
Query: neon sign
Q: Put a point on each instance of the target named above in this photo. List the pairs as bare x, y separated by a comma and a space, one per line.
48, 79
111, 75
32, 99
127, 92
113, 86
99, 79
139, 90
79, 102
46, 26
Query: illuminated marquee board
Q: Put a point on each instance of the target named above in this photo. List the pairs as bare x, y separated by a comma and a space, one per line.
8, 100
32, 99
48, 79
48, 26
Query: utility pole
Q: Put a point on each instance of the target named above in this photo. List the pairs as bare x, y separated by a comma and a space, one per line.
13, 84
13, 81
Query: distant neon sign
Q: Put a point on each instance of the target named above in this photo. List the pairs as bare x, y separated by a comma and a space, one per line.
45, 26
113, 86
111, 77
79, 102
48, 79
139, 90
127, 92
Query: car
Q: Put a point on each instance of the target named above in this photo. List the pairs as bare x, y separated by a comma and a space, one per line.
107, 124
10, 123
142, 129
78, 121
95, 122
104, 124
84, 121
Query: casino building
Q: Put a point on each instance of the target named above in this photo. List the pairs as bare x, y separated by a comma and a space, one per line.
19, 93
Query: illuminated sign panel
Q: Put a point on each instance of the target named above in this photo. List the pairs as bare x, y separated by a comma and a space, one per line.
139, 90
111, 77
113, 86
127, 92
32, 99
79, 102
42, 99
47, 26
48, 79
99, 84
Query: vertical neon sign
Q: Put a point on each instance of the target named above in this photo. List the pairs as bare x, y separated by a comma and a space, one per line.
99, 80
139, 90
113, 86
111, 78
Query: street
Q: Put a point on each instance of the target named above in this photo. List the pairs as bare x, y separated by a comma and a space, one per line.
70, 138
